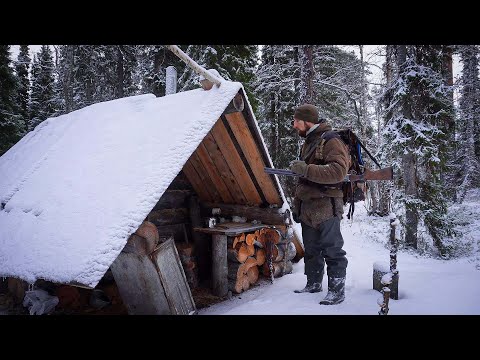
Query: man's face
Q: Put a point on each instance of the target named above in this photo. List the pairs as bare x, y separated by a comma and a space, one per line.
301, 126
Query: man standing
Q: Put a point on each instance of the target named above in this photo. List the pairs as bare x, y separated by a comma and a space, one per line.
318, 202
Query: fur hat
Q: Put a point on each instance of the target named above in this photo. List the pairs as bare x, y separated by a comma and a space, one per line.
307, 112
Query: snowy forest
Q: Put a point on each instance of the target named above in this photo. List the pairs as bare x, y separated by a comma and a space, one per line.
416, 117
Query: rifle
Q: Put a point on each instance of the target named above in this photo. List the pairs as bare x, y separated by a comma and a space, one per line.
382, 174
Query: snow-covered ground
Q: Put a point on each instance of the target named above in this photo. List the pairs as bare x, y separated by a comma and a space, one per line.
427, 285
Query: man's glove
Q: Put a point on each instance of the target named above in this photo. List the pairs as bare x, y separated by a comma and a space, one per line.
299, 167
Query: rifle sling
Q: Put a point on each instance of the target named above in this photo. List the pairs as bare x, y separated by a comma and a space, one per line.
312, 149
368, 153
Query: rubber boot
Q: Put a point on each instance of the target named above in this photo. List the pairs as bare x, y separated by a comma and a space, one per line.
312, 286
336, 291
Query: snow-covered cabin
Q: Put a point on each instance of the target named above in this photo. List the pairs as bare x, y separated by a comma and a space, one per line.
74, 190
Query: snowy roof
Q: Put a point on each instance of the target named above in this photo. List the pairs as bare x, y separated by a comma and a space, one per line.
75, 188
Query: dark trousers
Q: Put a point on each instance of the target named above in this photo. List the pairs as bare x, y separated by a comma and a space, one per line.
324, 245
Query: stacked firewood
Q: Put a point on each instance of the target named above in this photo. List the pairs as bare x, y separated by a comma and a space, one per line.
279, 251
187, 258
249, 253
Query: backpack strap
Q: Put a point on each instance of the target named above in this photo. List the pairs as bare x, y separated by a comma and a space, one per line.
327, 135
312, 149
330, 134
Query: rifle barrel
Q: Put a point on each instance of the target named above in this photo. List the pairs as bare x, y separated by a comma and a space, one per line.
280, 172
382, 174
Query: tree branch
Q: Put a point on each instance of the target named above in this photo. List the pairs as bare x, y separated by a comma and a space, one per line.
348, 95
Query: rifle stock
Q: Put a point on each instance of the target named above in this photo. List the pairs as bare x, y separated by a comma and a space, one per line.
382, 174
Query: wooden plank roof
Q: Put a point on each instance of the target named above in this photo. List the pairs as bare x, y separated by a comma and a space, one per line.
228, 166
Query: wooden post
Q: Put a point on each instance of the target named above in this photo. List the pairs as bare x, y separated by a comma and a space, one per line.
393, 246
200, 241
393, 258
219, 265
383, 301
381, 269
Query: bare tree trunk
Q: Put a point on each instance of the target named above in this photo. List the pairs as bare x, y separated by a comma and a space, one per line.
384, 195
277, 139
67, 77
296, 83
411, 215
274, 128
372, 186
120, 74
409, 166
307, 75
69, 83
389, 64
363, 97
449, 125
470, 166
469, 56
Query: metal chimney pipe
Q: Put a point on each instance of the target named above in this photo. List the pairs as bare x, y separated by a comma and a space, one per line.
171, 80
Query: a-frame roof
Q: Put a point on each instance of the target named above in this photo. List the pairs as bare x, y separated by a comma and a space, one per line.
73, 190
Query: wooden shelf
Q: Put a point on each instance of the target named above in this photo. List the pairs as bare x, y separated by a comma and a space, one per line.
231, 229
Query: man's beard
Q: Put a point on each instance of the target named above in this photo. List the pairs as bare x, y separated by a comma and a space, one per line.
303, 133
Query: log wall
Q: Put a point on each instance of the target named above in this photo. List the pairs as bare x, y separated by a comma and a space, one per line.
172, 217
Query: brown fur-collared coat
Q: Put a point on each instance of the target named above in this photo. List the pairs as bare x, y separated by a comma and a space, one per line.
317, 197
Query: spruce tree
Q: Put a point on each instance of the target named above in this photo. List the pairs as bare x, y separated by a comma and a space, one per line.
11, 122
85, 77
65, 78
469, 117
22, 69
233, 62
122, 62
42, 99
419, 101
150, 75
